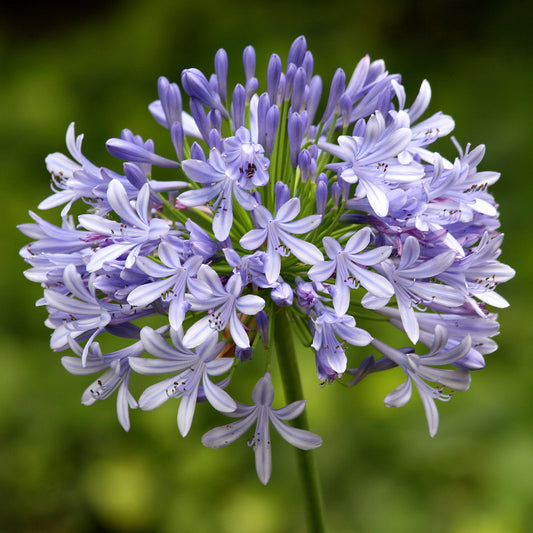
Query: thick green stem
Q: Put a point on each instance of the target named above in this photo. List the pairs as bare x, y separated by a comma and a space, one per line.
290, 375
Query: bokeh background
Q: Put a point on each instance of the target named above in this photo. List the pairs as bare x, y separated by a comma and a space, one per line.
69, 468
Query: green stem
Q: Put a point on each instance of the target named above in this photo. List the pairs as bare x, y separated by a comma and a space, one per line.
290, 375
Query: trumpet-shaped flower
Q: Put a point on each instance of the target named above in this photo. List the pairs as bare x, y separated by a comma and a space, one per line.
263, 414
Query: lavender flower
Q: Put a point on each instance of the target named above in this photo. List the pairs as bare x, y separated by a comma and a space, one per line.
272, 223
263, 414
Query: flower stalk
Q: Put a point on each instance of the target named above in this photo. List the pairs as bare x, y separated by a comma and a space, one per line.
292, 386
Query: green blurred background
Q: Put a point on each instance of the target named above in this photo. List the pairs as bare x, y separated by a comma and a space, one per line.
65, 467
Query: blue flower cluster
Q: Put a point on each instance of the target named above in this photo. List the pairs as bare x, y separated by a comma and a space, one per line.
272, 209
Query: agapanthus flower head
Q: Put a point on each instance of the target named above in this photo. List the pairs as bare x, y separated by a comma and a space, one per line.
271, 217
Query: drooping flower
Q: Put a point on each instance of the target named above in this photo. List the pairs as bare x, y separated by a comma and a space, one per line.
191, 369
263, 414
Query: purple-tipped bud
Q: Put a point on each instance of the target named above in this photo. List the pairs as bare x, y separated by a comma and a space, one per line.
308, 64
298, 90
335, 194
304, 162
257, 197
177, 136
297, 51
273, 77
362, 371
296, 129
195, 84
313, 169
215, 141
248, 61
197, 152
313, 98
238, 105
345, 188
214, 119
262, 109
282, 193
321, 194
338, 83
135, 175
272, 122
359, 128
261, 321
129, 151
289, 81
221, 70
200, 117
306, 294
282, 294
358, 78
281, 91
345, 108
251, 88
214, 83
243, 354
170, 97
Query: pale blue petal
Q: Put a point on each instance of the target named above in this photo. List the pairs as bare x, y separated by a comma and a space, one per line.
291, 411
217, 397
263, 456
156, 345
341, 298
222, 436
373, 257
153, 367
408, 317
358, 241
245, 199
253, 239
369, 301
198, 333
322, 271
238, 333
155, 395
439, 293
109, 253
432, 414
372, 282
430, 267
305, 251
100, 225
304, 225
202, 172
147, 293
288, 211
263, 216
119, 201
223, 219
124, 399
186, 410
299, 438
331, 246
197, 197
377, 198
250, 304
153, 269
400, 395
410, 253
458, 379
272, 266
219, 366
